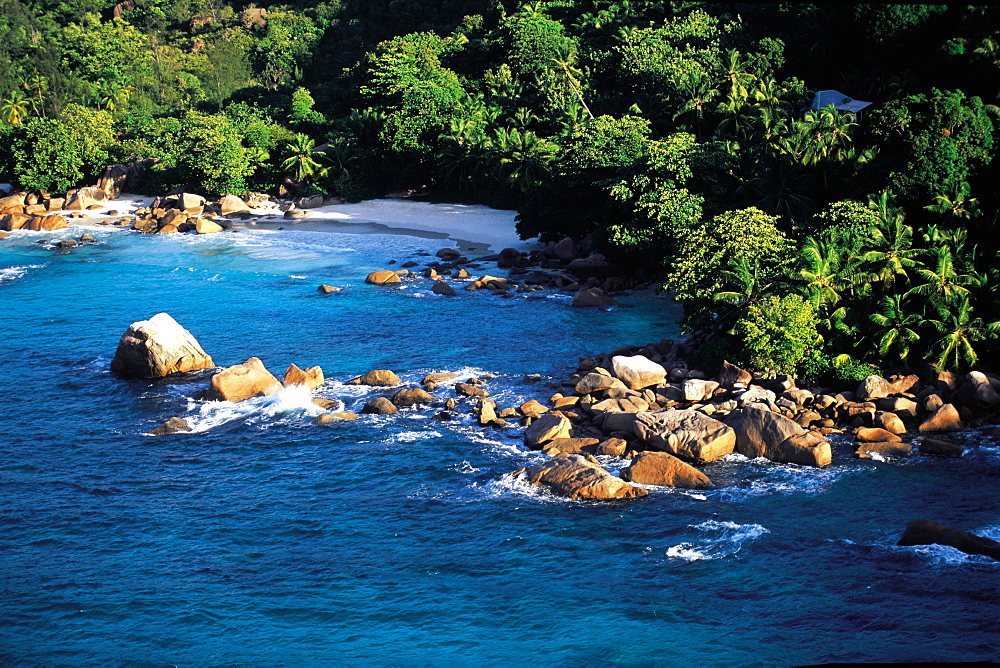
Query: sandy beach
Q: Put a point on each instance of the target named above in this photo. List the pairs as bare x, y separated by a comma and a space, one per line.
472, 227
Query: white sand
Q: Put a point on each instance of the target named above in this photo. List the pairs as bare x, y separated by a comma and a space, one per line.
471, 226
467, 224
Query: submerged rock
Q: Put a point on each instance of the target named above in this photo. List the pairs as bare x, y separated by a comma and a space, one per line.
383, 278
579, 477
380, 406
158, 347
927, 532
411, 397
241, 382
171, 426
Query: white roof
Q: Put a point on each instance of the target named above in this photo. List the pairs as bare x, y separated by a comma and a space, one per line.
841, 102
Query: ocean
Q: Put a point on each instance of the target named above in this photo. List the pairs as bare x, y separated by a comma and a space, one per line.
263, 539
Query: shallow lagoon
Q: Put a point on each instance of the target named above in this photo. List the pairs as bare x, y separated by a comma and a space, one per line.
264, 539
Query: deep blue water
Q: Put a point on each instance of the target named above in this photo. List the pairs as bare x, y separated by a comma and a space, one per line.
263, 539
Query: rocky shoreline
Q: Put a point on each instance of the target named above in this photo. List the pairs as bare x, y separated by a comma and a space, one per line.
640, 404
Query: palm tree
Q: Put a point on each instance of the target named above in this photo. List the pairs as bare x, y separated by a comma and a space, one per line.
36, 86
302, 160
743, 285
524, 158
956, 206
698, 92
14, 108
898, 327
943, 283
565, 66
824, 135
737, 77
892, 252
959, 331
823, 283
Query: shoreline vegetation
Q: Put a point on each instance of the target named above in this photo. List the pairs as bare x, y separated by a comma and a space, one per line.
824, 234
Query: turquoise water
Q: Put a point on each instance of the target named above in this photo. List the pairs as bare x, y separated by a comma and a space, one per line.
263, 539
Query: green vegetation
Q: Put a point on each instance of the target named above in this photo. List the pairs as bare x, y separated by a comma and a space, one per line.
676, 137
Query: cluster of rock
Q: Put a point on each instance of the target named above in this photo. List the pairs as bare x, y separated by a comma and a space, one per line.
36, 210
647, 405
590, 279
188, 212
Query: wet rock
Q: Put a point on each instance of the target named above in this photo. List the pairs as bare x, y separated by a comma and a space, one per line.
470, 390
326, 404
311, 377
579, 477
591, 297
241, 382
327, 289
157, 347
383, 278
438, 377
661, 468
342, 416
638, 372
687, 434
546, 428
376, 378
380, 406
206, 226
945, 418
171, 426
762, 433
927, 532
565, 250
941, 448
883, 449
411, 397
508, 258
442, 288
875, 435
890, 422
570, 445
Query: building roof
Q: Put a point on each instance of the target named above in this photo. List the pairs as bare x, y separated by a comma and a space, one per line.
841, 102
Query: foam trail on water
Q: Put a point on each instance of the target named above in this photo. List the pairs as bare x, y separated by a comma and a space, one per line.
720, 539
13, 273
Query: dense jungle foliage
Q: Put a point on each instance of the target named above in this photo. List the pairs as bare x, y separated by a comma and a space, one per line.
676, 136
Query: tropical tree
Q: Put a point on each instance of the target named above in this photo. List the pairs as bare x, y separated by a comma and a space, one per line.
941, 283
892, 253
302, 161
14, 108
959, 330
897, 327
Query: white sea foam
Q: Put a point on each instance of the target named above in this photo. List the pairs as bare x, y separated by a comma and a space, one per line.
517, 485
8, 274
414, 436
718, 539
295, 400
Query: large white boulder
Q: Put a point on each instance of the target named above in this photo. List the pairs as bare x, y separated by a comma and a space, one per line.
157, 347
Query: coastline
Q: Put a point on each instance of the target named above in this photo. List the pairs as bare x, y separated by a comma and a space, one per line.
472, 227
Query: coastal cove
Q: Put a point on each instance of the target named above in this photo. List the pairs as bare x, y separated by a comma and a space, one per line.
263, 538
